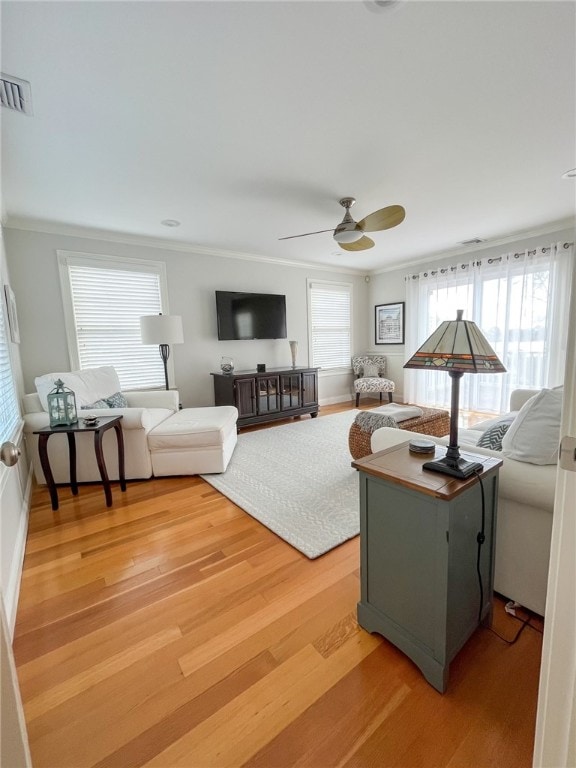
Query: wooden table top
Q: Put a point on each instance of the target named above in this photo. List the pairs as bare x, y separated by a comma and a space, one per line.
401, 466
80, 425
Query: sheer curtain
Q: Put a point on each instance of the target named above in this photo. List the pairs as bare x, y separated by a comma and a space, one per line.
519, 301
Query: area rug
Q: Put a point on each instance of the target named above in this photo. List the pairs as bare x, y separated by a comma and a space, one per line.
296, 479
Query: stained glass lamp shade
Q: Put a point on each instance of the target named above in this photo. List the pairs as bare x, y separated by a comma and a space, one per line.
458, 347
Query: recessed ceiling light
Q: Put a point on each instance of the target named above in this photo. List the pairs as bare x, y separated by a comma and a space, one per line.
170, 223
570, 174
378, 6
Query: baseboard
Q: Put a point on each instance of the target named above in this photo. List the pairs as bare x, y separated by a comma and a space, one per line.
335, 399
12, 592
398, 398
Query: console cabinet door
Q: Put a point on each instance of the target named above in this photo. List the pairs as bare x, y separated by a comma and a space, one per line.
291, 385
268, 389
245, 397
309, 388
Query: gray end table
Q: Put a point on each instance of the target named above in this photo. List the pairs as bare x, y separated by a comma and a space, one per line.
418, 551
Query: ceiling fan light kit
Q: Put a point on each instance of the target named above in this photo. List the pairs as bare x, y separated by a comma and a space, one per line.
349, 234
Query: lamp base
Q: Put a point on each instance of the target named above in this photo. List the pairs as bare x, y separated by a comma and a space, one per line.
459, 467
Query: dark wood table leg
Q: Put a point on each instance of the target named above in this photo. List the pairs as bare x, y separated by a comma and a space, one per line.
45, 463
98, 433
121, 471
72, 454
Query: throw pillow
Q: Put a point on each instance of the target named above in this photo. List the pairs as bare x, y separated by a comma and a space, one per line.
369, 422
117, 400
534, 435
88, 385
97, 404
492, 438
370, 369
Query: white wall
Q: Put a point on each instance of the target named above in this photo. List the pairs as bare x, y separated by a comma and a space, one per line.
192, 280
389, 287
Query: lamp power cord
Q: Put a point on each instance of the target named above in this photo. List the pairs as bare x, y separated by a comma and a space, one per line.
480, 539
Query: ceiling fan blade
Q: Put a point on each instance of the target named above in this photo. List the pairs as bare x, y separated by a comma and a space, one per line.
291, 237
385, 218
359, 245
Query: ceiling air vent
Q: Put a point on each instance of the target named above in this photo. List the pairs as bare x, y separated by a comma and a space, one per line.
15, 94
474, 241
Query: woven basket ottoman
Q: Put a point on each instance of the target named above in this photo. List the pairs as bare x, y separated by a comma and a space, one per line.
433, 421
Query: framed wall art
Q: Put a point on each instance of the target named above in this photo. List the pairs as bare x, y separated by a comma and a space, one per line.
12, 315
390, 323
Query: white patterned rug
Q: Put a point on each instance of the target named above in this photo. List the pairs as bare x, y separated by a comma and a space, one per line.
296, 479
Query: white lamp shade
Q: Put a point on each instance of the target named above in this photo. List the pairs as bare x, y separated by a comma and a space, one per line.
161, 329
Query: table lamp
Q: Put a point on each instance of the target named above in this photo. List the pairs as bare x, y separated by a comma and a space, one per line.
162, 330
459, 347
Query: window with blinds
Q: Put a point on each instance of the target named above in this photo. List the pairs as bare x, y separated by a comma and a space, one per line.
104, 300
330, 324
9, 411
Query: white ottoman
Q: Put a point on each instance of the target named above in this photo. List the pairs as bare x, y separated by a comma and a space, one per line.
194, 441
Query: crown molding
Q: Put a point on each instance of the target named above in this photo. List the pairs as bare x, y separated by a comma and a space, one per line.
124, 238
545, 229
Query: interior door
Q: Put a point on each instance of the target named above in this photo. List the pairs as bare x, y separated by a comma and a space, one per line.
14, 750
555, 742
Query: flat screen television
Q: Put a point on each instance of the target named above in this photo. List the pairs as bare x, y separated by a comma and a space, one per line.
250, 315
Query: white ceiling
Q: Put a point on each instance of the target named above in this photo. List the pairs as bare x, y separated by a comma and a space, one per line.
247, 121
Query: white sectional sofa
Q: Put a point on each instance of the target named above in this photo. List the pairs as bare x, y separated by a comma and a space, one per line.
145, 411
159, 438
525, 507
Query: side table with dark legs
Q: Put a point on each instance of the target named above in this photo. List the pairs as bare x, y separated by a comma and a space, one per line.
70, 430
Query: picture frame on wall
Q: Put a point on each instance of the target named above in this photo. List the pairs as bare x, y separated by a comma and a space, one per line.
12, 314
389, 321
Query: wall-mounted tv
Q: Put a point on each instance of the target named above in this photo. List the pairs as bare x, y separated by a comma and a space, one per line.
250, 315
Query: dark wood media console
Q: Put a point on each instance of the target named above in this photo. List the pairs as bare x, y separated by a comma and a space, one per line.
275, 394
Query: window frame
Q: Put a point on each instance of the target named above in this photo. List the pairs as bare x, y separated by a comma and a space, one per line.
102, 261
15, 425
347, 288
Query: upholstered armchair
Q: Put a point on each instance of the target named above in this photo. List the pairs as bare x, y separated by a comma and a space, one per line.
370, 372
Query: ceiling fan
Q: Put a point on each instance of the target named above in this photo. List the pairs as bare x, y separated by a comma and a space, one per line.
349, 234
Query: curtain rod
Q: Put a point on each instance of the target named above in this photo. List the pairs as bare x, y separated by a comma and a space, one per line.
543, 250
525, 253
494, 260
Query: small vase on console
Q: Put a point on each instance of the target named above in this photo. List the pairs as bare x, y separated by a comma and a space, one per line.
227, 365
293, 352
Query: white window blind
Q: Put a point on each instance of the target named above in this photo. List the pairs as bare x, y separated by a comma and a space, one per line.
106, 300
9, 412
330, 319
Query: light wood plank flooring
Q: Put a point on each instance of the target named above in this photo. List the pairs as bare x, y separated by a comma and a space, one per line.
175, 630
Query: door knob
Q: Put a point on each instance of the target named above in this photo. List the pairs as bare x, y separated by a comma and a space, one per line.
9, 454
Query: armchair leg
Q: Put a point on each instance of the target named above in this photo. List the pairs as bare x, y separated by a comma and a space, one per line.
357, 399
390, 397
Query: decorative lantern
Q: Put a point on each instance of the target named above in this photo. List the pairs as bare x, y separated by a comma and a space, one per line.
61, 405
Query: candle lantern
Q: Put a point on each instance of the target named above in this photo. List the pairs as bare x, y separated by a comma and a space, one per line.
61, 405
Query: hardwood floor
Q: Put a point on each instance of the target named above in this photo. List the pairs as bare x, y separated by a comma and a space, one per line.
174, 630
